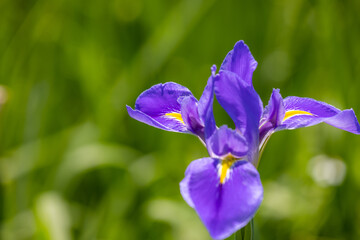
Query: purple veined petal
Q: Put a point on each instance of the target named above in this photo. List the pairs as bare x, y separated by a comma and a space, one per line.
226, 141
159, 107
243, 105
223, 207
240, 61
304, 112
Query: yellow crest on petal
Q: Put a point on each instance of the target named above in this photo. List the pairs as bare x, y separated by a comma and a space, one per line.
225, 167
175, 115
292, 113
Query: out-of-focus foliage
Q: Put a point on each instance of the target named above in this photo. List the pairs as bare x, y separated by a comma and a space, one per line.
73, 165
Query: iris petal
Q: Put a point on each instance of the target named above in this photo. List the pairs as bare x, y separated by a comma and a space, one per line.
309, 112
274, 112
176, 116
144, 118
205, 106
292, 113
190, 114
159, 107
345, 120
226, 141
225, 168
243, 105
297, 112
240, 61
223, 208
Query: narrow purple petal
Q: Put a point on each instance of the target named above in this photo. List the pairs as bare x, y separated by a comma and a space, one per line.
159, 107
190, 115
243, 105
205, 105
274, 112
272, 117
304, 112
198, 115
227, 141
240, 61
223, 207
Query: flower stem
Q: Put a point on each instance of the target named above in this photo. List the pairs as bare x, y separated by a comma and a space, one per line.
246, 233
262, 147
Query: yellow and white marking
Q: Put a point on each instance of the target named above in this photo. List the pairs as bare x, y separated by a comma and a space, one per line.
175, 115
224, 168
293, 113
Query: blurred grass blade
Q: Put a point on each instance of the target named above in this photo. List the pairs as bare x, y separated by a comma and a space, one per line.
53, 216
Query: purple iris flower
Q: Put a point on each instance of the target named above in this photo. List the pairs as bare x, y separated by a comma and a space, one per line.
225, 189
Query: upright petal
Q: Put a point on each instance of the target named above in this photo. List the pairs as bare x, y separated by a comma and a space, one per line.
159, 107
190, 115
226, 141
240, 61
205, 105
244, 106
272, 117
304, 112
198, 115
274, 112
223, 207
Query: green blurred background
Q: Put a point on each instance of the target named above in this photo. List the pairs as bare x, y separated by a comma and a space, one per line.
74, 165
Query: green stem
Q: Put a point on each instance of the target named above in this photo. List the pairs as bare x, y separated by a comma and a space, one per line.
252, 229
246, 233
262, 147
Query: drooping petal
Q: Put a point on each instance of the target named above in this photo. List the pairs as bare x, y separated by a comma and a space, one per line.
345, 120
142, 117
243, 105
159, 107
227, 141
304, 112
223, 207
240, 61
